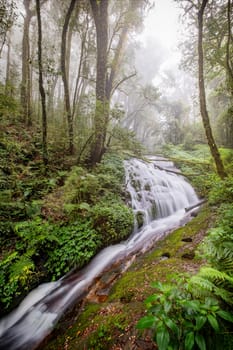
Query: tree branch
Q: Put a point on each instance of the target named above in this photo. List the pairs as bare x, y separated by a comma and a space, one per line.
122, 81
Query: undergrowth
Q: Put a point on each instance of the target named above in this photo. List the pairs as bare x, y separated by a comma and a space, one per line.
44, 239
196, 313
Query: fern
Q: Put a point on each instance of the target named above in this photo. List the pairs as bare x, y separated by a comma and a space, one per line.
224, 294
22, 269
212, 281
200, 286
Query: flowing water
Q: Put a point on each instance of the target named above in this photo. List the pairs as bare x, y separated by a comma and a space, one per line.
158, 198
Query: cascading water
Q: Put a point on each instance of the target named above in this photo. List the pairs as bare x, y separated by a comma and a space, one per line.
154, 193
158, 199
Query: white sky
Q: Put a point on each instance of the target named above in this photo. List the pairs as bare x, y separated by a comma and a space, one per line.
161, 26
162, 23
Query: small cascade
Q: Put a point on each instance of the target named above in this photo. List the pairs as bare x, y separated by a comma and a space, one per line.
156, 193
158, 199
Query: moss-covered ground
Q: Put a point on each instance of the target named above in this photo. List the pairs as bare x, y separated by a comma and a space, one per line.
112, 324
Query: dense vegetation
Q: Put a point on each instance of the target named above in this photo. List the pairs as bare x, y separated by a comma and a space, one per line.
197, 311
62, 146
52, 222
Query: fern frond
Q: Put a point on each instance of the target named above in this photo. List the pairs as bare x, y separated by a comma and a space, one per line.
224, 295
21, 269
226, 265
200, 286
215, 275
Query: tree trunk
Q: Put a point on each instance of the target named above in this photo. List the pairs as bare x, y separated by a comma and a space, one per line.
228, 47
100, 14
50, 104
65, 77
202, 95
41, 87
8, 64
25, 83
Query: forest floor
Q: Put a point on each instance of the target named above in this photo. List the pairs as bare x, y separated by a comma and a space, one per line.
111, 324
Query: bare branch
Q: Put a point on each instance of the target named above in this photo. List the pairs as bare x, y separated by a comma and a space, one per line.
122, 81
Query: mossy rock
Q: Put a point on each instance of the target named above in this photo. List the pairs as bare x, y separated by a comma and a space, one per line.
140, 218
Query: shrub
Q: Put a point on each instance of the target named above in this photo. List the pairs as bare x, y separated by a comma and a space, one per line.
9, 107
113, 221
80, 186
222, 191
78, 243
180, 321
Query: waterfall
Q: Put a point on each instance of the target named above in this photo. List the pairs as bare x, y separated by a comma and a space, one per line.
156, 193
158, 199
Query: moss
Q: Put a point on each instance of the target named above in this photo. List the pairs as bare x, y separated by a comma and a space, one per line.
140, 218
115, 319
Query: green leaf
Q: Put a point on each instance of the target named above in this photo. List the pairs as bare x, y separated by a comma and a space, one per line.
167, 306
162, 338
171, 325
157, 285
213, 322
146, 322
189, 341
225, 315
200, 321
191, 304
200, 341
152, 298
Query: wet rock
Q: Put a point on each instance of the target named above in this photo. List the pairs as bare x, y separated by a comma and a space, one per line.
187, 239
140, 218
166, 255
188, 256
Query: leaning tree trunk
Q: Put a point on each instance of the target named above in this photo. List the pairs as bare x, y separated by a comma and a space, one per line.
41, 87
202, 96
100, 14
65, 73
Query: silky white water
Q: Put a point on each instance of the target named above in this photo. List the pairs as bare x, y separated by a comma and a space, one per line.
159, 197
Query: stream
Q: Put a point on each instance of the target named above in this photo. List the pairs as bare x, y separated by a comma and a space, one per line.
158, 198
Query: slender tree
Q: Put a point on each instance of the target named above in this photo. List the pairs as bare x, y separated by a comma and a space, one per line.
65, 73
26, 67
41, 86
202, 96
100, 14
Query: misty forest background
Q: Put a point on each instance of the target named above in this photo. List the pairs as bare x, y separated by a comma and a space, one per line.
81, 89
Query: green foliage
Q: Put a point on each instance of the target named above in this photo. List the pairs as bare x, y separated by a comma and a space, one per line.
106, 179
221, 191
123, 139
16, 276
77, 244
35, 234
80, 186
180, 321
93, 216
112, 165
189, 315
113, 221
217, 249
9, 107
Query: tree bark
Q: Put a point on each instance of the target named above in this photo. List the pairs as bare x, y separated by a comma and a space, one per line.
202, 96
65, 77
8, 64
100, 14
228, 55
25, 83
41, 87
